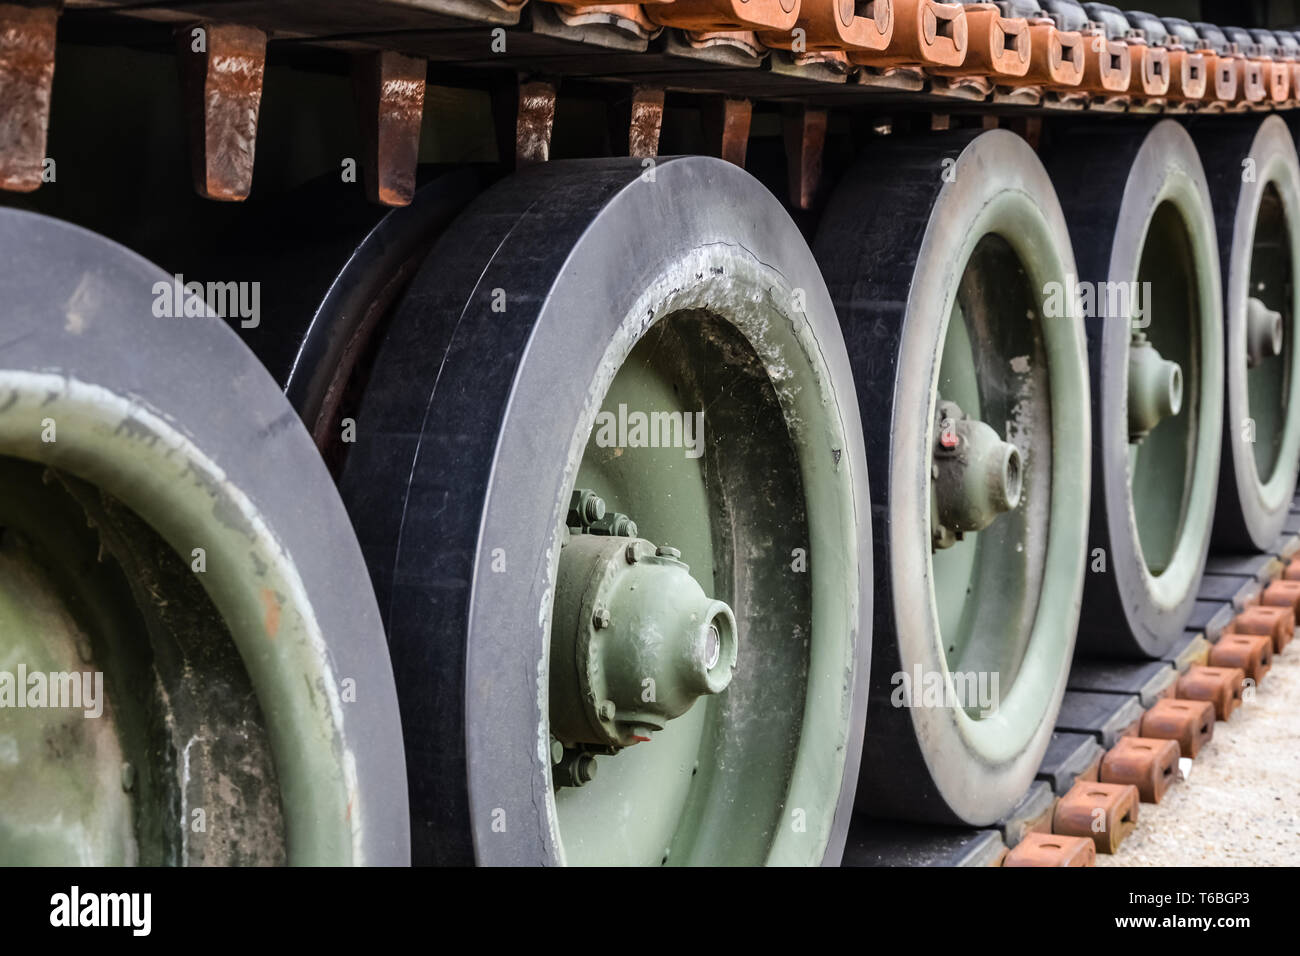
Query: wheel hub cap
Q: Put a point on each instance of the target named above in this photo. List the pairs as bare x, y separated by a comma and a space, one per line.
1155, 388
977, 475
635, 641
1263, 332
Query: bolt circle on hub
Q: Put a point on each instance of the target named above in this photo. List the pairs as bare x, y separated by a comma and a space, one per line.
977, 476
656, 644
668, 348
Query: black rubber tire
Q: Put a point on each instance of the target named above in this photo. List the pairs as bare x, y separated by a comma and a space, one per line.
80, 329
331, 266
1244, 521
461, 455
1111, 179
893, 247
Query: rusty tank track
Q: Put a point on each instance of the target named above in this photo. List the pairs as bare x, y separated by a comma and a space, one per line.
1013, 57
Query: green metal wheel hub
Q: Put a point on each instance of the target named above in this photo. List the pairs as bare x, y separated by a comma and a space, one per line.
1170, 458
699, 586
1263, 332
1155, 388
635, 641
1269, 363
1001, 361
977, 476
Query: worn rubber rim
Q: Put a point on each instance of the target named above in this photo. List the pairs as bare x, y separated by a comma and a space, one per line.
143, 413
589, 258
1251, 508
894, 275
1145, 179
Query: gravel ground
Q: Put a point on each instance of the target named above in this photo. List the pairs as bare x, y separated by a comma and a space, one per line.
1240, 805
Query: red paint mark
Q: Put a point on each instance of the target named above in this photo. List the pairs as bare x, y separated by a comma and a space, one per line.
271, 616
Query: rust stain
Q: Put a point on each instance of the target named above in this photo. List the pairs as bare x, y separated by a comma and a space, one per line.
26, 77
726, 126
805, 138
271, 614
533, 125
646, 121
389, 90
223, 87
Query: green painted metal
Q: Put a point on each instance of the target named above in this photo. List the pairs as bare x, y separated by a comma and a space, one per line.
996, 351
131, 454
740, 776
1269, 355
634, 642
1163, 466
1155, 388
976, 475
173, 728
1263, 332
61, 767
955, 567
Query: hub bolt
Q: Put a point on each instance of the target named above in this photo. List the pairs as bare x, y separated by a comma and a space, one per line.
635, 641
575, 769
585, 508
614, 524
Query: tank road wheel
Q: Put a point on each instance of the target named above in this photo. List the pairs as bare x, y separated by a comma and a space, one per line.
149, 535
937, 253
622, 634
1254, 182
1148, 280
